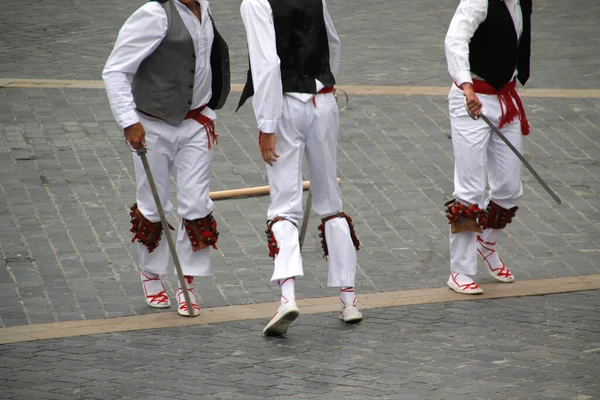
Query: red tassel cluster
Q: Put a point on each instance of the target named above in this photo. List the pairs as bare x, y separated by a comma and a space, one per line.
202, 232
498, 217
353, 236
146, 232
271, 241
511, 106
207, 123
456, 210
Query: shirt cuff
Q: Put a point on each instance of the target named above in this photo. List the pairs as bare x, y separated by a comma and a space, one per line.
462, 77
268, 125
127, 119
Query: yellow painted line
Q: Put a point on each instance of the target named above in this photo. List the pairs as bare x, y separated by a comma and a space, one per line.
350, 89
307, 306
50, 83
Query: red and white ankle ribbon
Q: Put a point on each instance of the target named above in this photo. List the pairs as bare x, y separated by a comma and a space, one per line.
500, 271
158, 298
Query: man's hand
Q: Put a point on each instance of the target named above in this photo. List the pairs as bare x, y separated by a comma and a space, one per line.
267, 148
135, 135
473, 103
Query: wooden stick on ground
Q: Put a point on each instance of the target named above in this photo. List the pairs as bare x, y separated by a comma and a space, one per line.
251, 191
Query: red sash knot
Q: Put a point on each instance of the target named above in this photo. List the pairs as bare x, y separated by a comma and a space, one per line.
507, 96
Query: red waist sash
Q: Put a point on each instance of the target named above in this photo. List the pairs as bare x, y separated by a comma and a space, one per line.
507, 96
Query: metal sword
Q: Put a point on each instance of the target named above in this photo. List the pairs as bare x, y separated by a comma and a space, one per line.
304, 225
517, 153
141, 151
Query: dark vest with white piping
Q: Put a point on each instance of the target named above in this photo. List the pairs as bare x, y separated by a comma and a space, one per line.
163, 84
494, 50
302, 47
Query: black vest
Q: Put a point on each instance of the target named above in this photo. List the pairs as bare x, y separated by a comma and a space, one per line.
495, 52
302, 47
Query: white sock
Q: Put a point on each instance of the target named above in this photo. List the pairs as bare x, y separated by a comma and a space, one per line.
152, 284
288, 290
347, 296
487, 250
462, 279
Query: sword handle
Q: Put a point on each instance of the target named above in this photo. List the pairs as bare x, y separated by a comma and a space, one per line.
475, 117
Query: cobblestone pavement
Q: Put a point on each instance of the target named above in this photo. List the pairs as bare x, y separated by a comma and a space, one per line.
66, 177
543, 347
66, 181
384, 42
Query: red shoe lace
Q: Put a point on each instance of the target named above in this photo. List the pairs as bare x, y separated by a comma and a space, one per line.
158, 298
280, 285
465, 286
154, 298
347, 290
182, 304
502, 271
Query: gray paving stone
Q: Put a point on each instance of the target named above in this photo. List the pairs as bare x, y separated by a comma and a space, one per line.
532, 347
66, 181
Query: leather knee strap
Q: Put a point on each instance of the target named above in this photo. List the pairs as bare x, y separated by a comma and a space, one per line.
498, 217
464, 218
355, 240
202, 232
146, 232
271, 241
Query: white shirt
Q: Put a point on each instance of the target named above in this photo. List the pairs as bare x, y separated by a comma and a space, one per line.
266, 74
141, 34
469, 15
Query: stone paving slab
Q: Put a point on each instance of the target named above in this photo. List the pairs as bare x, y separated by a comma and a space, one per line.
213, 315
67, 181
383, 42
66, 177
544, 347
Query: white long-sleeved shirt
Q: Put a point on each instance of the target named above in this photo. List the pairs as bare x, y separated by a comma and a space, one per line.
141, 34
266, 74
469, 15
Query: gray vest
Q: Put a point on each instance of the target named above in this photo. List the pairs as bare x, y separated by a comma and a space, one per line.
163, 84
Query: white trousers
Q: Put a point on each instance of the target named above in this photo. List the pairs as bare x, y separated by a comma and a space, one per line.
182, 151
481, 157
311, 129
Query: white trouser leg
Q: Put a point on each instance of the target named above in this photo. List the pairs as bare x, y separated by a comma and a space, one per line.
288, 262
192, 167
470, 140
321, 155
159, 139
285, 176
490, 236
342, 253
504, 168
285, 180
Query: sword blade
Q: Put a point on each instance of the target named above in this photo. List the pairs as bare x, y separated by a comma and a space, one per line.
520, 157
165, 225
304, 226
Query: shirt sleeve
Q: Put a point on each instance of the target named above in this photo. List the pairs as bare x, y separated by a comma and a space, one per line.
469, 15
141, 34
264, 62
334, 43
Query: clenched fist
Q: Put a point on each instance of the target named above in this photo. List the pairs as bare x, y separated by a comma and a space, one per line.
135, 135
473, 103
